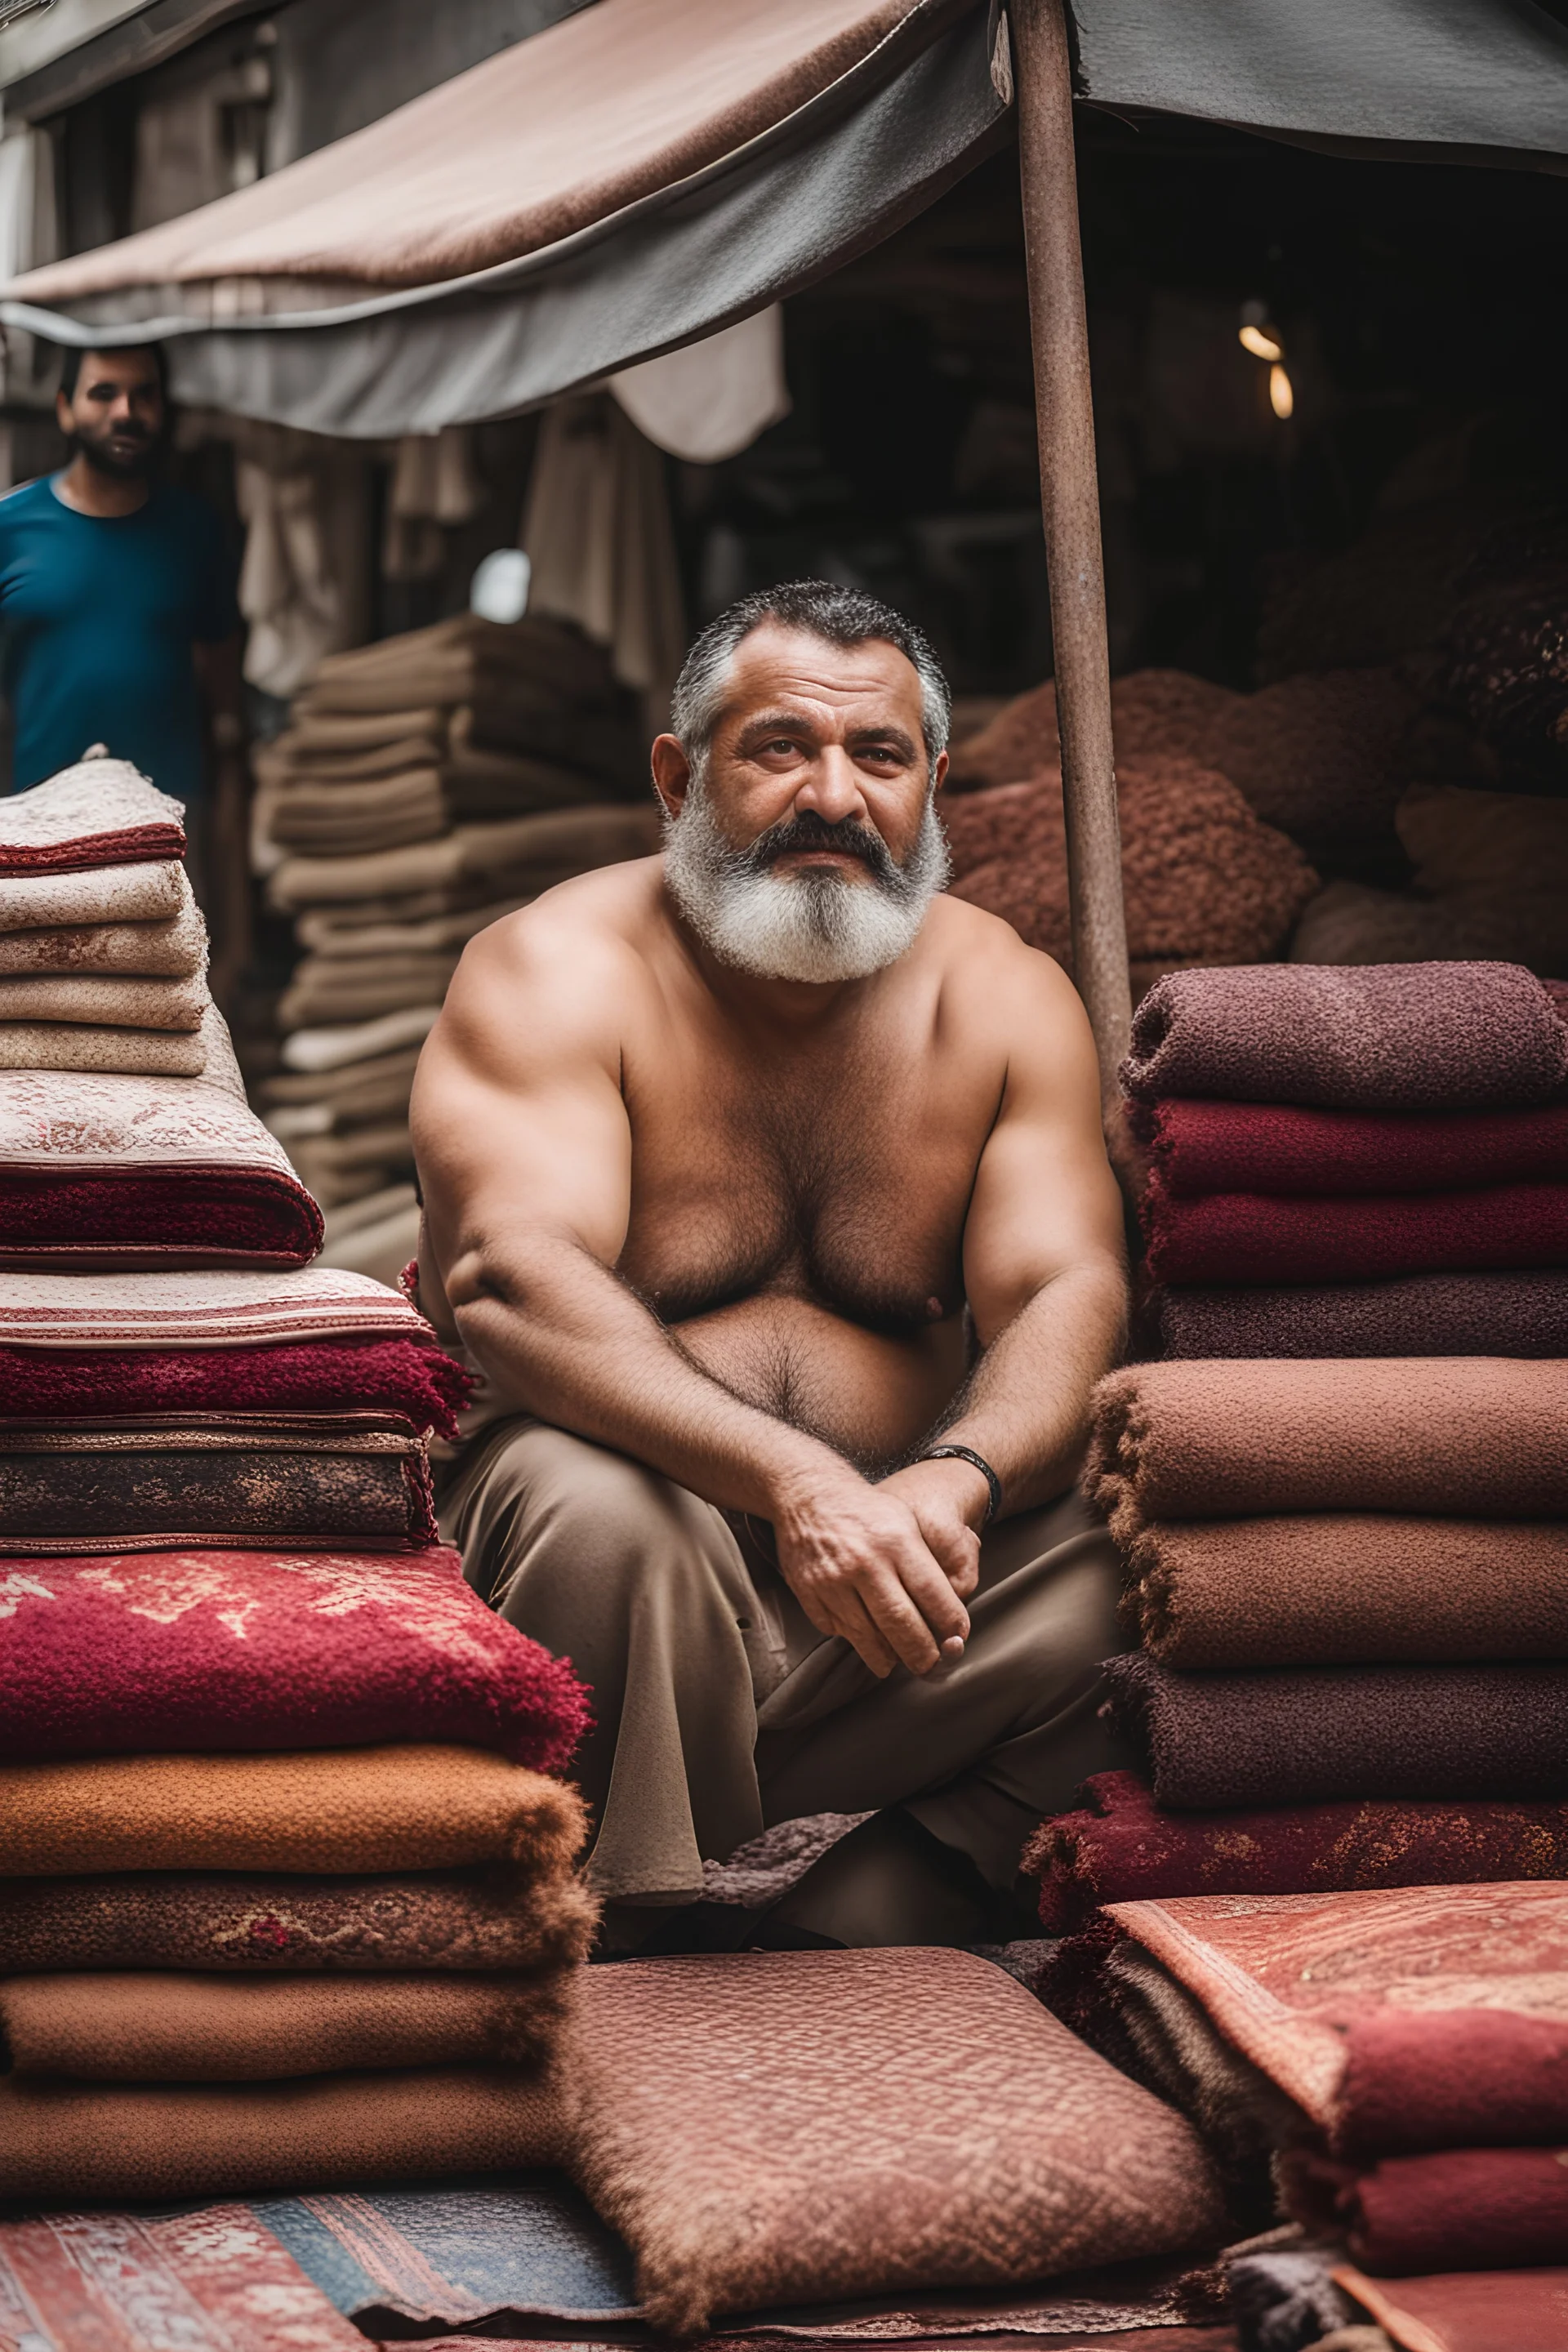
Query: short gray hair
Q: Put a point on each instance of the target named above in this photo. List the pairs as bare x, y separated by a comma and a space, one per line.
839, 616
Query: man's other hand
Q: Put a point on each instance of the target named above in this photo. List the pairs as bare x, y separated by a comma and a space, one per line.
950, 1499
861, 1562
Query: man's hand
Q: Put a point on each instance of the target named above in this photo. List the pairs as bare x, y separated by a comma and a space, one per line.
861, 1563
950, 1500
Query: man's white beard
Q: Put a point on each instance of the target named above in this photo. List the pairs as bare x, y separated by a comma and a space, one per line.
817, 926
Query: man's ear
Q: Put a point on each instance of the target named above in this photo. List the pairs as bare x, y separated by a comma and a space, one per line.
939, 774
63, 413
672, 773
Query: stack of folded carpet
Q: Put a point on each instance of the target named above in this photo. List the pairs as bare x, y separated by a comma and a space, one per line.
1398, 2057
102, 949
1355, 1161
426, 785
1350, 1584
278, 1869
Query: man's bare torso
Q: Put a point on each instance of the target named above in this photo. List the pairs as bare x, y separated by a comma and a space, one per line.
798, 1200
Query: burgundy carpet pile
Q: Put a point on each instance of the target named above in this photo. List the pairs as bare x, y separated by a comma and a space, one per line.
288, 1873
1400, 2052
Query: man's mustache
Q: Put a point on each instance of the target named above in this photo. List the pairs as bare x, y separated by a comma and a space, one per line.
798, 835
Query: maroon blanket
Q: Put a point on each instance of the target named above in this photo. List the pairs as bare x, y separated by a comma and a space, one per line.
156, 1217
182, 1650
1384, 1037
1422, 2079
417, 1380
1417, 1315
1312, 1734
1235, 1237
129, 845
1120, 1848
1462, 2208
1236, 1147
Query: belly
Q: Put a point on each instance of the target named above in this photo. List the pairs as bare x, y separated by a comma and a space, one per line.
870, 1396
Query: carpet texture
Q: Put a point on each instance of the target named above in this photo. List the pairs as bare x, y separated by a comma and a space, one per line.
1237, 1237
1324, 1589
1477, 2209
230, 1650
1163, 713
207, 1310
159, 2142
1317, 1733
1296, 1981
1120, 1848
156, 892
1319, 755
1465, 2310
237, 1481
1205, 881
1384, 1037
422, 1385
173, 949
101, 812
147, 2027
989, 2150
411, 1806
102, 1050
207, 2281
1481, 1436
107, 1000
1524, 1315
1234, 1147
114, 1171
502, 1917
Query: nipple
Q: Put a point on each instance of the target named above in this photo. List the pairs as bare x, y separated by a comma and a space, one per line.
933, 1309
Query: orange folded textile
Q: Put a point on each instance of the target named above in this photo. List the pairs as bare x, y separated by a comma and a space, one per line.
335, 1810
158, 2142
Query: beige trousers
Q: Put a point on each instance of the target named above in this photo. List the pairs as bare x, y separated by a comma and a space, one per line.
719, 1709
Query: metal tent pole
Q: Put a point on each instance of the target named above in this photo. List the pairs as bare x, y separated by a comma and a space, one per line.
1070, 504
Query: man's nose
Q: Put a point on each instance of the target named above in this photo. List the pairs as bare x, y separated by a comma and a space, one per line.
832, 791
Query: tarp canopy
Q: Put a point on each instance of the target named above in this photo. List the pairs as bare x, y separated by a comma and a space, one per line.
647, 170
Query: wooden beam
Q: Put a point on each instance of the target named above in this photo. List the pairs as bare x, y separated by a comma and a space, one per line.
1070, 504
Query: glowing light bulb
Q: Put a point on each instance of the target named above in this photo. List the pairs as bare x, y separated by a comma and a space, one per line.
1260, 343
1281, 392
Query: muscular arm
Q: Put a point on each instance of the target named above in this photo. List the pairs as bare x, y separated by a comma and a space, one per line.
524, 1150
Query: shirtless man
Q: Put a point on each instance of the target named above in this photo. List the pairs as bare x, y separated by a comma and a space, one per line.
765, 1187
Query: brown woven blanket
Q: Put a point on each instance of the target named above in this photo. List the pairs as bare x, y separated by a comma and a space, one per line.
144, 2026
1316, 1733
1416, 1314
487, 1919
1480, 1436
174, 949
329, 1811
69, 2142
1350, 1589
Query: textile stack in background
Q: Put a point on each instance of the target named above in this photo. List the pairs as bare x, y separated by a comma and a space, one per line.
1393, 2060
426, 785
102, 949
1354, 1162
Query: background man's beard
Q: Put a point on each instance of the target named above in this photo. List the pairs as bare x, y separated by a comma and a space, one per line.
128, 465
814, 925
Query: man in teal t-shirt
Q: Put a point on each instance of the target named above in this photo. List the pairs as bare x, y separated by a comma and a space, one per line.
115, 587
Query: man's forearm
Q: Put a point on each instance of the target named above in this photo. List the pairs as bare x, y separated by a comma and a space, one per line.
563, 1338
1024, 1406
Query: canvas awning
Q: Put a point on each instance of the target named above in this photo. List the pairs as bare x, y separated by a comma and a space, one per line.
623, 182
647, 170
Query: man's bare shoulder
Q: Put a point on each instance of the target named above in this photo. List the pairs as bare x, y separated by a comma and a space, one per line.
982, 962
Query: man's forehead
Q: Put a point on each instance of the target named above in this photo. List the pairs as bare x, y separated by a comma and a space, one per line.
120, 368
775, 665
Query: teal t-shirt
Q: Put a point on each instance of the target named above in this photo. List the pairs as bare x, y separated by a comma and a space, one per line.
99, 615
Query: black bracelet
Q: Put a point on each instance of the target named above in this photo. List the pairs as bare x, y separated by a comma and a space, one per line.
976, 1462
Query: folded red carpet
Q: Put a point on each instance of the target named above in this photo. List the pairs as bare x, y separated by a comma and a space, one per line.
419, 1382
1484, 2209
1522, 1315
101, 812
1120, 1848
1466, 2311
1236, 1238
162, 2141
313, 1480
1316, 1733
501, 1917
1392, 2019
765, 2128
1481, 1437
227, 1307
1334, 1588
1384, 1037
1240, 1146
108, 1171
226, 1650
